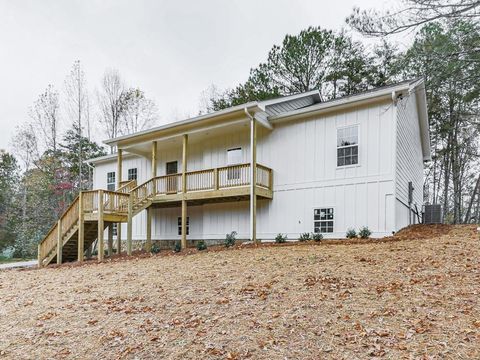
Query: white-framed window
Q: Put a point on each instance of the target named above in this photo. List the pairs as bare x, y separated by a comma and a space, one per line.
347, 145
132, 174
180, 225
323, 219
111, 181
234, 157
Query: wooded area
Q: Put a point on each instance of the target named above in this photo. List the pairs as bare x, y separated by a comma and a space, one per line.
45, 169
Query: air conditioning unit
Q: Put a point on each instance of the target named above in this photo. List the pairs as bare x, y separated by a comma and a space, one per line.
432, 214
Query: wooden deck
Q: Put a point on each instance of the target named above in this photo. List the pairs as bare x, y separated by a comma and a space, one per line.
86, 219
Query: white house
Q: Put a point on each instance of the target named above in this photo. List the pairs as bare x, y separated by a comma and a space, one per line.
320, 167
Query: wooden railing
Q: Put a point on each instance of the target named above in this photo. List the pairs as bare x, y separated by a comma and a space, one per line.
113, 202
127, 186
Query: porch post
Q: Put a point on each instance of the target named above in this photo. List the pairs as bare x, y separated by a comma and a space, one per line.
81, 228
101, 226
119, 180
184, 190
110, 239
154, 159
148, 246
129, 225
59, 241
253, 180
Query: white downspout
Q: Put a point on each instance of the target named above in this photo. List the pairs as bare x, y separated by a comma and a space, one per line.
253, 160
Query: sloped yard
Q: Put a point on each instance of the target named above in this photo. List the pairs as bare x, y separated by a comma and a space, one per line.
416, 295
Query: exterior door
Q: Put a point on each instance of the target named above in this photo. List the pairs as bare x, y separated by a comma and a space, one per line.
172, 168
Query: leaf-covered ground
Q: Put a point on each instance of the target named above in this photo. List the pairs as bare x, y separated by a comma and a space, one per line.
414, 296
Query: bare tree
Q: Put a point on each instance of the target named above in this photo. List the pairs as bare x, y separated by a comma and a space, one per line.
411, 14
207, 96
77, 104
45, 116
110, 99
138, 113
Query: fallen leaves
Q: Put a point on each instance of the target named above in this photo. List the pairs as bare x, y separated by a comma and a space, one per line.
414, 295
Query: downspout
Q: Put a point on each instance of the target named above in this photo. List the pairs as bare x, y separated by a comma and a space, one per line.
253, 160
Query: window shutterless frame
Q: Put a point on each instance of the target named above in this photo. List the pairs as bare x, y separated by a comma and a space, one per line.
347, 146
179, 223
132, 174
111, 181
324, 220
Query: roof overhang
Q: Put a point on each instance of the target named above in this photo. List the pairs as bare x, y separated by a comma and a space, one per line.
387, 93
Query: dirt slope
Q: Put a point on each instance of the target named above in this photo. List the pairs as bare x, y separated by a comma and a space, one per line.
415, 295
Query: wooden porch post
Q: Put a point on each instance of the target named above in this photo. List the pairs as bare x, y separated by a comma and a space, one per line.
148, 246
101, 226
59, 241
184, 190
154, 159
129, 225
253, 180
81, 228
40, 256
110, 239
119, 180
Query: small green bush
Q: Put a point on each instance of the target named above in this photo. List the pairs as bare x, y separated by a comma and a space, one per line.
364, 232
305, 237
317, 237
351, 233
201, 245
230, 239
155, 249
280, 238
178, 247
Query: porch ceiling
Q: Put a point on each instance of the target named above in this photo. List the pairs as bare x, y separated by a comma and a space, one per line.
194, 137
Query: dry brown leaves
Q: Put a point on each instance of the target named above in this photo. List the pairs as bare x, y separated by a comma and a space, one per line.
411, 296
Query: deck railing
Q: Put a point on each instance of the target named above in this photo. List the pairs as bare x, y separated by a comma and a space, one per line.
203, 180
117, 202
113, 202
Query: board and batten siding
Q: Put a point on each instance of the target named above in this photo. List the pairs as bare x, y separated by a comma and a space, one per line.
409, 160
303, 157
302, 154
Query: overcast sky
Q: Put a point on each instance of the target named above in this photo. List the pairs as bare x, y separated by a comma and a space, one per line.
171, 49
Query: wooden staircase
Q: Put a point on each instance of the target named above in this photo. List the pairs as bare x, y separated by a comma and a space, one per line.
61, 244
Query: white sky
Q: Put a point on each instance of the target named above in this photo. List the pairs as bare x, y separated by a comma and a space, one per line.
173, 50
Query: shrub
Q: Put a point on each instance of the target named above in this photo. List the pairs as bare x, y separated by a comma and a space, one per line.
201, 245
351, 233
364, 232
178, 247
317, 237
305, 237
155, 249
230, 239
280, 238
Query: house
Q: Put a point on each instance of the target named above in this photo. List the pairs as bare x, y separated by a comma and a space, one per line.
289, 165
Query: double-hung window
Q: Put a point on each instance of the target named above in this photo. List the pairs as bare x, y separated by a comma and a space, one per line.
323, 220
347, 145
180, 225
132, 174
111, 181
234, 157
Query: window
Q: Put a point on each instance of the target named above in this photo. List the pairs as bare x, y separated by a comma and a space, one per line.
323, 220
114, 229
132, 174
111, 181
180, 225
234, 157
347, 146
